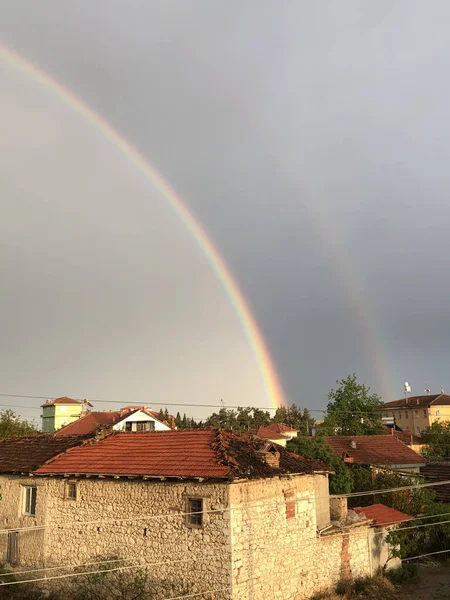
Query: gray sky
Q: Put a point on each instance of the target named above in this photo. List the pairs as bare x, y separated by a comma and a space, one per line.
311, 140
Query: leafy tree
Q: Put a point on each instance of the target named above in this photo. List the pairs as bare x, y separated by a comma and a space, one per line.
437, 437
11, 424
341, 482
352, 410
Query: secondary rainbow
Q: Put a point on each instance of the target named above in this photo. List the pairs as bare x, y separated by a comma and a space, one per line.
254, 336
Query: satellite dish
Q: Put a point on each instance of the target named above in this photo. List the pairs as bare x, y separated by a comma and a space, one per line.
407, 388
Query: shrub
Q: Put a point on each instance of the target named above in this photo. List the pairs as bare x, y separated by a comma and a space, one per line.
407, 573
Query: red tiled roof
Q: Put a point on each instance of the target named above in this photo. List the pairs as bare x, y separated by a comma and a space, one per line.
89, 422
382, 515
374, 450
279, 428
25, 454
422, 401
205, 453
63, 400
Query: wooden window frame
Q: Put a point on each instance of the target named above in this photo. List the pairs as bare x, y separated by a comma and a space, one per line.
27, 500
67, 494
192, 524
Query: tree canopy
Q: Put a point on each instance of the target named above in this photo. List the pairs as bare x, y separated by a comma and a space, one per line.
11, 424
341, 482
352, 410
437, 438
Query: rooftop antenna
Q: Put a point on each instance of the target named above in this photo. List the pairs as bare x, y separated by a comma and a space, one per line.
442, 389
427, 389
407, 390
223, 403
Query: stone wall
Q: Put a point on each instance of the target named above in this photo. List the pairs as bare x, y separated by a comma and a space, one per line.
276, 552
261, 543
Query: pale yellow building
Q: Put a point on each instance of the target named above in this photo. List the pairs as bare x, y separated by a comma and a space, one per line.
60, 412
417, 413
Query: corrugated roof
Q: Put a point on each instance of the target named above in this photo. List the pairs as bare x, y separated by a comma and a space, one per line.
205, 453
25, 454
382, 515
374, 450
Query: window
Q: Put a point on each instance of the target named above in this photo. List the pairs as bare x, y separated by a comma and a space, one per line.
385, 415
418, 429
399, 415
29, 501
146, 426
417, 412
194, 513
438, 412
71, 490
424, 412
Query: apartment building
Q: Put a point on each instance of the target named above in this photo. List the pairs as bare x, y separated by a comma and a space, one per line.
417, 413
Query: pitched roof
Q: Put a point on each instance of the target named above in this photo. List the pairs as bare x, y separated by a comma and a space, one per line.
277, 428
374, 450
25, 454
63, 400
419, 401
208, 453
382, 515
438, 472
89, 422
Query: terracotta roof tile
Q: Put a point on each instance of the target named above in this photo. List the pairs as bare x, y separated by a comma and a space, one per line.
421, 401
205, 453
382, 515
89, 422
63, 400
25, 454
374, 450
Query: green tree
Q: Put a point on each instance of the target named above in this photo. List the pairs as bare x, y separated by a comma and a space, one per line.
178, 421
437, 438
352, 410
308, 447
11, 424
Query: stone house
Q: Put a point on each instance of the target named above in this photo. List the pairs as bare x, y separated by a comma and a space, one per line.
218, 511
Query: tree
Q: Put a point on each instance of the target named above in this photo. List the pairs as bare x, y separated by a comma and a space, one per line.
11, 424
341, 482
352, 410
178, 421
437, 437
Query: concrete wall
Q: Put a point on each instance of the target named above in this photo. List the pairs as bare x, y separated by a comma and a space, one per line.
56, 416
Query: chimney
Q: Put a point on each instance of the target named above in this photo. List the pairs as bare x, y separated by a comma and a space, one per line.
270, 455
353, 444
338, 509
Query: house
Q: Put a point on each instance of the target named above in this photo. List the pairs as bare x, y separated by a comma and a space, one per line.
129, 418
61, 411
436, 472
377, 451
417, 413
277, 433
408, 438
213, 509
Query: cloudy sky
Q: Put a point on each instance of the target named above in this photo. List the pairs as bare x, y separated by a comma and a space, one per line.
310, 140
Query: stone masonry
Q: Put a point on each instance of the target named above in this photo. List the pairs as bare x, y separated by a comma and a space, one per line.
261, 544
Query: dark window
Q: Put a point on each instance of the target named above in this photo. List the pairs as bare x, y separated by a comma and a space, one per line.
145, 426
29, 501
194, 516
71, 491
128, 426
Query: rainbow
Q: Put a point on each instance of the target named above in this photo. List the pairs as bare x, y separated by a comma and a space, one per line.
265, 364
